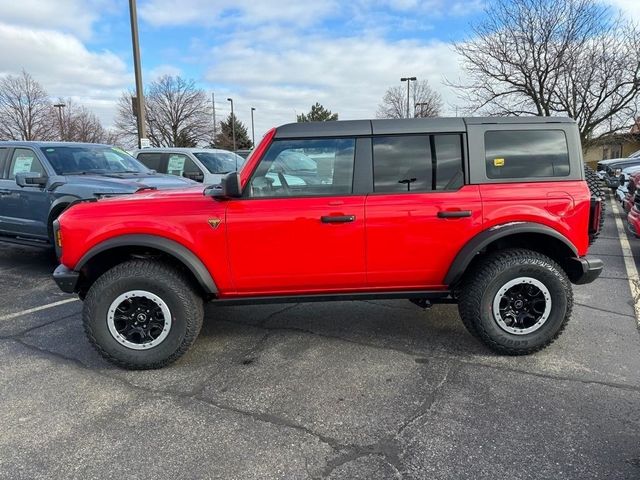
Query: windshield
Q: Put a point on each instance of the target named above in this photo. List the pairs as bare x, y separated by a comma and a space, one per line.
83, 159
220, 162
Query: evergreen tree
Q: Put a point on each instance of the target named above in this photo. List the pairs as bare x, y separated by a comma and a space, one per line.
224, 137
318, 114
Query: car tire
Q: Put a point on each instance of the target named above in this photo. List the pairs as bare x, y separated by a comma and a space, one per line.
595, 187
142, 314
512, 278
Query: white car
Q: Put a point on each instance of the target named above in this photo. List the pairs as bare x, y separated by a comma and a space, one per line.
205, 165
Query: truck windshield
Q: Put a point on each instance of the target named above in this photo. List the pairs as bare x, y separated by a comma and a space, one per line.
220, 162
83, 159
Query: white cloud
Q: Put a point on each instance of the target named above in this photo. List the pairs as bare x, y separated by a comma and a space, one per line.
65, 67
347, 75
161, 71
629, 7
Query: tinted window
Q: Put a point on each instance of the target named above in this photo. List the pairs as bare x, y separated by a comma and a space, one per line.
402, 164
24, 160
3, 156
183, 166
526, 154
151, 160
91, 159
305, 168
448, 166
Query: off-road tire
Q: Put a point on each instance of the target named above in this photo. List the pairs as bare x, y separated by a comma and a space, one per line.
484, 280
158, 278
595, 186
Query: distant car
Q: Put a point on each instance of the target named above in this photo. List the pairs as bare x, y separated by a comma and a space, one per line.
204, 165
39, 180
623, 183
602, 164
614, 170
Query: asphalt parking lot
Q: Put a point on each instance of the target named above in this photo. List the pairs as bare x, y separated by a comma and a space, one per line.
370, 390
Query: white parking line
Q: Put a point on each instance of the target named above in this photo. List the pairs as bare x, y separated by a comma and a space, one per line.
37, 309
629, 261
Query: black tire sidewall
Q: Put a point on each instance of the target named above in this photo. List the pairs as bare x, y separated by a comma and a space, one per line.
96, 320
489, 326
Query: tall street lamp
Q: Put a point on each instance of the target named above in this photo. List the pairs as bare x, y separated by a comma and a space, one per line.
60, 106
233, 125
142, 133
253, 135
408, 80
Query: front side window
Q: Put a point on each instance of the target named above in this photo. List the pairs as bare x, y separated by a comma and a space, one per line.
295, 168
83, 159
24, 160
183, 166
526, 154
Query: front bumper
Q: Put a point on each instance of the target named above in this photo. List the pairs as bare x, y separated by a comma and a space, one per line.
66, 279
585, 270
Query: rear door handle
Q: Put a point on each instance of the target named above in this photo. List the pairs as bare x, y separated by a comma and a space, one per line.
337, 218
454, 214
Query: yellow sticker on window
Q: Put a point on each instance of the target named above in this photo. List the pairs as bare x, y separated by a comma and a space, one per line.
498, 162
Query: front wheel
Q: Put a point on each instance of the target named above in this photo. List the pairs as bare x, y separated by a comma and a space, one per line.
142, 314
516, 301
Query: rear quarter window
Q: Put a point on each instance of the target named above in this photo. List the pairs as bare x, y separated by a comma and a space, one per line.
526, 154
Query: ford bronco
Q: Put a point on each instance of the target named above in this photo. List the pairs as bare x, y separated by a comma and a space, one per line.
493, 214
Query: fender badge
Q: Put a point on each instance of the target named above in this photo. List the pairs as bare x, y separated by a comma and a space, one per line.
214, 222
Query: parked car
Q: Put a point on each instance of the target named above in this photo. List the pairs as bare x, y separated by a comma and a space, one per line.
614, 170
623, 183
602, 164
38, 180
631, 186
405, 213
204, 165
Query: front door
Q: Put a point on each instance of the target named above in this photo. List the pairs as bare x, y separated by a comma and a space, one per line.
421, 213
298, 227
23, 210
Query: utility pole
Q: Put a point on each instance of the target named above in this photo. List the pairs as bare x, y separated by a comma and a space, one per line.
408, 80
213, 104
60, 106
233, 125
253, 134
142, 127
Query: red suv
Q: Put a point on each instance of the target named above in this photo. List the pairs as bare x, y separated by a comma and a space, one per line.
493, 214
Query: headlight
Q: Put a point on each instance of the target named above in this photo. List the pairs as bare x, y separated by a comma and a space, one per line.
617, 171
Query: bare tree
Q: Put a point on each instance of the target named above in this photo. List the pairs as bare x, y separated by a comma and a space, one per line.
76, 123
177, 112
554, 57
25, 109
424, 101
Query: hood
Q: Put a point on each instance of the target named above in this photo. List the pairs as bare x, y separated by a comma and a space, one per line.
128, 182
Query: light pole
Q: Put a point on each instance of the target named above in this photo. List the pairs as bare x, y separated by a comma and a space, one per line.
253, 135
142, 127
213, 105
408, 80
233, 125
60, 106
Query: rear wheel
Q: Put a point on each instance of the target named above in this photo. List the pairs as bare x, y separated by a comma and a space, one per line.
516, 301
142, 314
596, 191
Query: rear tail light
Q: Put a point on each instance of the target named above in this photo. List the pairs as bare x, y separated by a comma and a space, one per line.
595, 214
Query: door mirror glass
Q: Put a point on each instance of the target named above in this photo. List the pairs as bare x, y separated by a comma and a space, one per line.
228, 188
30, 179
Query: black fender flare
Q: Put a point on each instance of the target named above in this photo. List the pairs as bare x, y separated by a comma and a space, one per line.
66, 200
484, 238
170, 247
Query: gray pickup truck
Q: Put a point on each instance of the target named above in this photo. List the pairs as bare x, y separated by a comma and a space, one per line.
38, 180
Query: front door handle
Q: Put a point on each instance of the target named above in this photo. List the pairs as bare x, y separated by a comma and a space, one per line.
454, 214
337, 218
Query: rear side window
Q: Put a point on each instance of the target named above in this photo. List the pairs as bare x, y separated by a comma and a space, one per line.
24, 160
151, 160
417, 163
3, 156
526, 154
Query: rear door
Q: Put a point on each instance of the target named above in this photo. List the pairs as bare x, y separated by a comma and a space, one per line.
421, 212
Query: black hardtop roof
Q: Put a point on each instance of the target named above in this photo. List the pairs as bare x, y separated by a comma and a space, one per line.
348, 128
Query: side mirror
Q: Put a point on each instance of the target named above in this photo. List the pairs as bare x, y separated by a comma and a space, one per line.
228, 188
30, 179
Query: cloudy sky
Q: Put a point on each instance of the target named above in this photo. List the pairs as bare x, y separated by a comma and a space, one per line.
279, 56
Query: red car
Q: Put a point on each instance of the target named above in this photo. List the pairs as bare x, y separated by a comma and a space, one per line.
492, 214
